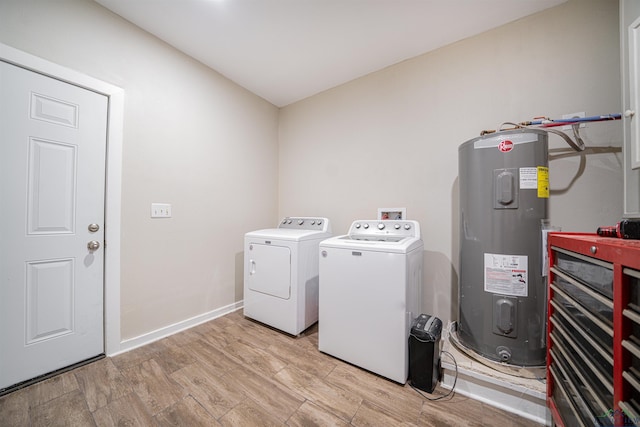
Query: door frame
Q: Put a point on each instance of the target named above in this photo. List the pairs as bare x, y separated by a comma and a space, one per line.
113, 188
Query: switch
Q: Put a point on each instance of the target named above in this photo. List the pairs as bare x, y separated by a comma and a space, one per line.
160, 210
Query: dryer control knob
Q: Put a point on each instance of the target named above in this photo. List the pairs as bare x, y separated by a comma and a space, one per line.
289, 221
397, 226
407, 226
358, 225
313, 222
300, 222
380, 226
319, 222
366, 226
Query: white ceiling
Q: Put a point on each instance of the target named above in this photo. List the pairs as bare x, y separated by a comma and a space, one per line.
287, 50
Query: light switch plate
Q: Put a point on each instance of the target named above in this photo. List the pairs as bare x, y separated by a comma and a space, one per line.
160, 210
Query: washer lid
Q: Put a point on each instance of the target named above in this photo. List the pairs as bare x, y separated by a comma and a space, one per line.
390, 244
288, 234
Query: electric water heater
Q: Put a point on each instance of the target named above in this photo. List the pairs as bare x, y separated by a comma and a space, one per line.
504, 193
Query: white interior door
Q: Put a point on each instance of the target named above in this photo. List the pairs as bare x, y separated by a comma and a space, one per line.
52, 178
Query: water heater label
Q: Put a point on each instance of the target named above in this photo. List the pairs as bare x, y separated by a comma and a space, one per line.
543, 182
528, 178
535, 179
506, 274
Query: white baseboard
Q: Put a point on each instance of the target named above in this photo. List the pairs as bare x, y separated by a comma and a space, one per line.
158, 334
519, 390
502, 394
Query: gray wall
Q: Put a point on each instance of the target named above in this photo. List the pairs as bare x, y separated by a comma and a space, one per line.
391, 139
191, 138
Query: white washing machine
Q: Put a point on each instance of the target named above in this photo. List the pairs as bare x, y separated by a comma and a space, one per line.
281, 273
370, 292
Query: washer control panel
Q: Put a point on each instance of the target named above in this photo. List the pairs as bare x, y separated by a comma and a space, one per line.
375, 227
305, 223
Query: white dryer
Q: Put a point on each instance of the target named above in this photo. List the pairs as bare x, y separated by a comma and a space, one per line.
370, 292
281, 273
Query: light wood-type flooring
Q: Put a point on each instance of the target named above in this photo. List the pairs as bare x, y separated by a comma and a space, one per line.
233, 371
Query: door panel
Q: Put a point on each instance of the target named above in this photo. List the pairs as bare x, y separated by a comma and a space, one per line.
53, 110
269, 270
51, 187
49, 300
52, 180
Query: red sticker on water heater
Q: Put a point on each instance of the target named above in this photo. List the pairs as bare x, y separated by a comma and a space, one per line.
505, 146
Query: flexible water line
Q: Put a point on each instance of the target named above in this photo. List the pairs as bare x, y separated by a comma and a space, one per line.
577, 145
574, 122
545, 122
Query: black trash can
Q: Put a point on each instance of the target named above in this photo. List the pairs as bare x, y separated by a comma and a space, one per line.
424, 352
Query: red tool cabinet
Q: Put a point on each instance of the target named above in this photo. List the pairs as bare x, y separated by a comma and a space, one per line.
593, 330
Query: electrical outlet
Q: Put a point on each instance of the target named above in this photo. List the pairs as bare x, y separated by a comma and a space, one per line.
573, 116
160, 210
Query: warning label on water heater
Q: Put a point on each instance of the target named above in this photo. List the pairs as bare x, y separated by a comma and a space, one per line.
506, 274
535, 179
528, 178
543, 182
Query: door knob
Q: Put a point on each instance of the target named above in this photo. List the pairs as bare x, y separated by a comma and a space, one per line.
93, 245
93, 227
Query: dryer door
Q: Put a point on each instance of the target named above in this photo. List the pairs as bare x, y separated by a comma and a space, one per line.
268, 270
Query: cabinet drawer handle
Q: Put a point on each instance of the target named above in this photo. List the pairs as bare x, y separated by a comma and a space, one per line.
579, 329
604, 406
631, 379
588, 259
631, 272
632, 348
631, 315
584, 311
587, 362
628, 410
587, 290
558, 383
